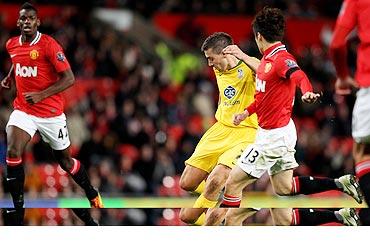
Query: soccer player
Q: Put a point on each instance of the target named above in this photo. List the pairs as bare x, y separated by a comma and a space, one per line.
356, 13
216, 152
41, 73
273, 151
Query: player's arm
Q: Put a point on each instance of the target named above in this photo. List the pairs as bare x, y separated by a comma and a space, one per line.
65, 81
346, 22
238, 118
8, 79
301, 80
252, 62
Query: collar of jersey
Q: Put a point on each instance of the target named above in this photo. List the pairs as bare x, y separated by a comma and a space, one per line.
34, 41
272, 50
231, 69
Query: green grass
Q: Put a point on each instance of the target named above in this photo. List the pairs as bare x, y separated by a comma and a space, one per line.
258, 200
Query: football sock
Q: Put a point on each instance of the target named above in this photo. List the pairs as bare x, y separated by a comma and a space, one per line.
310, 185
363, 175
84, 215
79, 175
230, 201
200, 188
15, 180
310, 217
201, 220
203, 202
13, 217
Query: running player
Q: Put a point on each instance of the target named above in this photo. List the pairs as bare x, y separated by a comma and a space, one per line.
273, 151
356, 13
41, 72
223, 142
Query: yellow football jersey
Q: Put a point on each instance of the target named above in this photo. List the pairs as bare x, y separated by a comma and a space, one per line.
236, 87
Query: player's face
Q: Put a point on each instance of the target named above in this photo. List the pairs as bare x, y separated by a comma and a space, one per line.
216, 60
258, 39
28, 22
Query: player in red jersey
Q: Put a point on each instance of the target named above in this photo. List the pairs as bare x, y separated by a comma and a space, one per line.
41, 72
277, 77
356, 13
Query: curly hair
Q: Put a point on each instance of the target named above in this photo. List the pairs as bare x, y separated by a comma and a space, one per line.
270, 23
217, 41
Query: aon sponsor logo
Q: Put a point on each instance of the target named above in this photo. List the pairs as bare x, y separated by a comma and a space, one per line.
260, 85
25, 71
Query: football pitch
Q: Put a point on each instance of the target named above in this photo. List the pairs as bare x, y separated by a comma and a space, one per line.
255, 200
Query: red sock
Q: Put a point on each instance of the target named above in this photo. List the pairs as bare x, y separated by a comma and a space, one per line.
362, 168
230, 201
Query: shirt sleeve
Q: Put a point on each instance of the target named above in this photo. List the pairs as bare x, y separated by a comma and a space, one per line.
347, 16
284, 66
56, 57
251, 108
346, 21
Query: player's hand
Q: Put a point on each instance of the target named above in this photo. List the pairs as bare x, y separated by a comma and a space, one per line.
344, 86
310, 97
238, 118
234, 50
33, 97
6, 82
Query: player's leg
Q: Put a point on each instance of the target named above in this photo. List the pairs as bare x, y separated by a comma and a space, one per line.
235, 183
236, 216
285, 184
84, 215
78, 173
215, 216
192, 179
54, 131
361, 154
20, 129
17, 140
208, 199
313, 217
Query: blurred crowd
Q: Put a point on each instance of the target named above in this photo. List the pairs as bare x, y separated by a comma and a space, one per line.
134, 139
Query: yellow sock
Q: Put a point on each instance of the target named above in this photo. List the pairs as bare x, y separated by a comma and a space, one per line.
203, 202
200, 188
201, 220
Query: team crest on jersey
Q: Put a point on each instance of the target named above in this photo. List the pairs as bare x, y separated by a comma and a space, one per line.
240, 73
291, 63
60, 56
229, 92
268, 67
34, 54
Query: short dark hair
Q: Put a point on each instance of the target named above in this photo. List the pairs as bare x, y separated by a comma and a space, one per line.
270, 23
28, 6
217, 41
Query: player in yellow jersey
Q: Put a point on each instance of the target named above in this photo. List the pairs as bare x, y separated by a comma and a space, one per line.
219, 147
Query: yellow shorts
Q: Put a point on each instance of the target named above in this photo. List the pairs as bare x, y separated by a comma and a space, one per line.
221, 145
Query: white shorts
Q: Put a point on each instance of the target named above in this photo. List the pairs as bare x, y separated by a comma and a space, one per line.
53, 130
361, 117
273, 151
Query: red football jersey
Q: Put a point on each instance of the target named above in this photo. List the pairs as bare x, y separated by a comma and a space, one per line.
275, 91
36, 67
354, 13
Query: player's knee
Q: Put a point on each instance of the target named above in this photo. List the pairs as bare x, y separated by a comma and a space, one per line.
216, 183
66, 163
283, 189
186, 217
186, 184
13, 152
215, 217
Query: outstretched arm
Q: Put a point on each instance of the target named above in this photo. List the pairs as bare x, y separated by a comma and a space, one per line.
301, 80
66, 80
